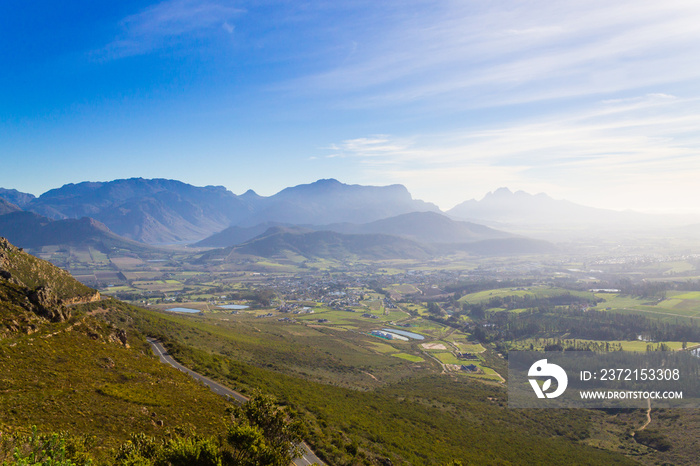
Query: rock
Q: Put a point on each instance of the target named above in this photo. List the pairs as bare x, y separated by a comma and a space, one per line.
108, 363
119, 337
121, 334
48, 305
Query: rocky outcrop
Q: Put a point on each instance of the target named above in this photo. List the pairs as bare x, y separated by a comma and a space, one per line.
83, 299
119, 337
48, 305
38, 286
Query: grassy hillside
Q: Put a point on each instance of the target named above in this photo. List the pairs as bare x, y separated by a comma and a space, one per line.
81, 373
77, 380
424, 418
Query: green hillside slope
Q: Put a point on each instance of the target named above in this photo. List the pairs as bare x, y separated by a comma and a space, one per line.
70, 364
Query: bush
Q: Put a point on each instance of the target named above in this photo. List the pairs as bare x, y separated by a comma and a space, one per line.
56, 449
653, 439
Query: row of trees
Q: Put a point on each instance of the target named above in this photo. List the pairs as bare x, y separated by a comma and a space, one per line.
577, 323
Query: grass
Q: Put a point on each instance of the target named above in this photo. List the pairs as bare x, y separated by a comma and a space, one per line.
676, 304
398, 290
353, 320
381, 347
539, 292
70, 382
470, 348
448, 358
319, 352
627, 345
422, 420
408, 357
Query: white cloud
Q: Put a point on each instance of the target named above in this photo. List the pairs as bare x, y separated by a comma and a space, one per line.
228, 28
157, 26
478, 54
635, 150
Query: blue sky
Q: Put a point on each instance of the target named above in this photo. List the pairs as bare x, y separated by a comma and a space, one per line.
596, 102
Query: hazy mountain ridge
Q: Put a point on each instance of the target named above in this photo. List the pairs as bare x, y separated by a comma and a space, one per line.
330, 201
520, 208
424, 227
152, 211
167, 211
158, 211
30, 230
7, 207
15, 197
234, 235
278, 241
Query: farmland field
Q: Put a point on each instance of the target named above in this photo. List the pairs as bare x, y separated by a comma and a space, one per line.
676, 304
537, 292
627, 345
408, 357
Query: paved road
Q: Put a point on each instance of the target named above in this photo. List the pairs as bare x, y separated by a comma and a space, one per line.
217, 388
158, 349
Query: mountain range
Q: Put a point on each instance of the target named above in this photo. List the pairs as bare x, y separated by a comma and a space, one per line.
278, 242
167, 211
15, 197
30, 230
7, 207
380, 240
160, 211
519, 209
423, 227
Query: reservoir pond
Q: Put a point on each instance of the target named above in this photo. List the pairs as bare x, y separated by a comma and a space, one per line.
415, 336
184, 309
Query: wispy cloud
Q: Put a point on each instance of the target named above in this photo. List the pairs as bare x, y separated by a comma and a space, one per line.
606, 153
167, 22
497, 53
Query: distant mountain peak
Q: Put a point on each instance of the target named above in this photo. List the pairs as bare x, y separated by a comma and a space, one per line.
504, 207
327, 182
250, 193
7, 207
502, 191
15, 197
506, 193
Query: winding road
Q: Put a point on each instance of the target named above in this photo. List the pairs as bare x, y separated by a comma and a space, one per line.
307, 459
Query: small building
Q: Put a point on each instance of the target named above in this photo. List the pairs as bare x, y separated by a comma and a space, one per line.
380, 334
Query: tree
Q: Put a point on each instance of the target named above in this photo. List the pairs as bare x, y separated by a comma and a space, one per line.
263, 433
434, 309
260, 433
